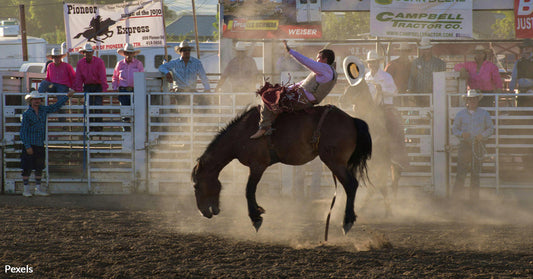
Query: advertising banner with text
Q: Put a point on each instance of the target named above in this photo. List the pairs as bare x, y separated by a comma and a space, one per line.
523, 14
139, 23
271, 19
450, 19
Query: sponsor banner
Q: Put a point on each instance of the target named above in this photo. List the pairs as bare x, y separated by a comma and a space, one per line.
139, 23
271, 19
523, 14
448, 19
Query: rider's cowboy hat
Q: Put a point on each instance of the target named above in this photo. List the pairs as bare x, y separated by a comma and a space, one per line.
425, 43
128, 48
373, 56
55, 53
184, 44
33, 95
473, 93
86, 48
354, 70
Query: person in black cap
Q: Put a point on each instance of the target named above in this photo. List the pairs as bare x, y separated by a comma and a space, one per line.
522, 76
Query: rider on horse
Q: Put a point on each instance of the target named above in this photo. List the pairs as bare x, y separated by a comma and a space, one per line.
302, 95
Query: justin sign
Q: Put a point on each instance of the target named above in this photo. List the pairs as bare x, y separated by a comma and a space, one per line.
139, 23
415, 19
523, 11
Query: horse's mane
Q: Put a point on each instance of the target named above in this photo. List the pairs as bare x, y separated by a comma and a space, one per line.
228, 127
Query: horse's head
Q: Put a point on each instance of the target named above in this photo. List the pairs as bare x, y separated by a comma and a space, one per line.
207, 190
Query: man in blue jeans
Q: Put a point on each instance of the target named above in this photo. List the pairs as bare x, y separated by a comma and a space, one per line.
33, 135
472, 126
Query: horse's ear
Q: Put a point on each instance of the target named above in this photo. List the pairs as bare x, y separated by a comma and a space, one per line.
354, 69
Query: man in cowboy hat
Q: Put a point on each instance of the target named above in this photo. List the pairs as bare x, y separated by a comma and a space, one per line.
472, 125
122, 79
32, 135
59, 75
185, 70
422, 69
522, 75
481, 74
383, 90
91, 77
399, 68
241, 71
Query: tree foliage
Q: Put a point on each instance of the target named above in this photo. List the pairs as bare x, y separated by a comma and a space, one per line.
504, 27
341, 26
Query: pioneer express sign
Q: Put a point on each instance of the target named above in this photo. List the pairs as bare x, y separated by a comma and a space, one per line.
112, 26
444, 19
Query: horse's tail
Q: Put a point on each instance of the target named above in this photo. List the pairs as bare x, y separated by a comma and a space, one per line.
363, 150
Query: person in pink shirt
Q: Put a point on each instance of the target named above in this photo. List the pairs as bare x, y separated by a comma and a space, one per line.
59, 75
123, 74
481, 75
91, 77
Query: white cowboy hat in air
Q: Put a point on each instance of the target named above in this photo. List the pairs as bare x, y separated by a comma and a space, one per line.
33, 95
373, 56
354, 70
128, 48
473, 93
86, 48
184, 44
425, 43
55, 53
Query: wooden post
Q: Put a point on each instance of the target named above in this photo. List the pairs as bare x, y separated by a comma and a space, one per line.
195, 30
23, 33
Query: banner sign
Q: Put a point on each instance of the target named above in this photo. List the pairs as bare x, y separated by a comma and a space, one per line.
139, 23
523, 14
271, 19
436, 19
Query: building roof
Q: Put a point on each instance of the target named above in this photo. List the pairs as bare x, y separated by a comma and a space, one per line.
184, 25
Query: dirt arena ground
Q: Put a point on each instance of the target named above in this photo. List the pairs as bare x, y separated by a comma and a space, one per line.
143, 236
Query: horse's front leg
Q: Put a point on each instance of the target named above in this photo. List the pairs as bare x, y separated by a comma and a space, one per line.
254, 210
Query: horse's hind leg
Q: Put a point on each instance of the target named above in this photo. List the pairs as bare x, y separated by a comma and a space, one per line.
254, 210
350, 184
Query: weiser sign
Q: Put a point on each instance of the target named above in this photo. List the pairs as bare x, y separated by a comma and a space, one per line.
448, 19
139, 23
523, 14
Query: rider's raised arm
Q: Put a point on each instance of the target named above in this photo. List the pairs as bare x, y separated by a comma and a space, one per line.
323, 71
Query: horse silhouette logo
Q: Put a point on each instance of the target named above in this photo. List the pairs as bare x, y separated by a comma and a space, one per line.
97, 27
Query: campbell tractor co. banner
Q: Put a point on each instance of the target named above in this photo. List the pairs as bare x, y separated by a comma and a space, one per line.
437, 19
271, 19
523, 14
139, 23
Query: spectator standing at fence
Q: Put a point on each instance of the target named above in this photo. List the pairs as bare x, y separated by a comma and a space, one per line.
422, 69
122, 79
185, 70
32, 135
241, 72
481, 75
522, 75
383, 90
472, 125
400, 67
60, 76
91, 77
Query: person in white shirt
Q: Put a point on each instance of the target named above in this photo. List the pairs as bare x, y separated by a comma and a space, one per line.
383, 90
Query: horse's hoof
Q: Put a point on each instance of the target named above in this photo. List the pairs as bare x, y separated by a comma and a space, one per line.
257, 224
346, 227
